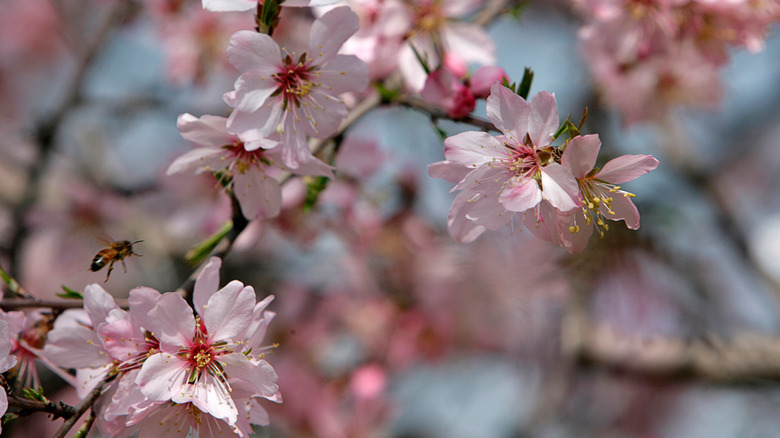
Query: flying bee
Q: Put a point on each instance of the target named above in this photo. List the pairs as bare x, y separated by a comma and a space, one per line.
116, 251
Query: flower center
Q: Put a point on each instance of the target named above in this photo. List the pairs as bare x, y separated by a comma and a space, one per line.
243, 159
294, 80
429, 17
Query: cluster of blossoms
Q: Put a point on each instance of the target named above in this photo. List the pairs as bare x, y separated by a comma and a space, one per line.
174, 372
648, 55
393, 33
280, 100
555, 188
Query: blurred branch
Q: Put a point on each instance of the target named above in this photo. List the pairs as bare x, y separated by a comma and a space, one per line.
22, 303
46, 130
491, 11
744, 357
436, 113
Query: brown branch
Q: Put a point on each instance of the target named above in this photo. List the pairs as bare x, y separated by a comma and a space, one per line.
743, 357
58, 410
82, 407
23, 303
436, 113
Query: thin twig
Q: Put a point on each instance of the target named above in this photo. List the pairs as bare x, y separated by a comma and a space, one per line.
23, 303
58, 410
436, 113
82, 407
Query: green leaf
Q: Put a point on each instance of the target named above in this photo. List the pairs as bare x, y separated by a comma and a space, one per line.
70, 294
385, 93
202, 250
313, 189
34, 394
505, 82
423, 62
269, 16
525, 84
518, 9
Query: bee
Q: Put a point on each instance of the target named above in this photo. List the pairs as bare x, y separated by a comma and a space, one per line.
116, 251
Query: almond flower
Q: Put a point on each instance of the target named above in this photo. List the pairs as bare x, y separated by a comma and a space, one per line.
212, 360
7, 361
219, 357
506, 174
602, 197
240, 159
293, 94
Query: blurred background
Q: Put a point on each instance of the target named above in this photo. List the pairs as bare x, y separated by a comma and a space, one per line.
386, 326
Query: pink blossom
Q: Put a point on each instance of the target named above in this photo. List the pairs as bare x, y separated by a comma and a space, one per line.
294, 94
28, 334
103, 337
194, 41
7, 361
384, 25
482, 79
208, 359
453, 96
242, 161
461, 43
602, 197
648, 56
506, 174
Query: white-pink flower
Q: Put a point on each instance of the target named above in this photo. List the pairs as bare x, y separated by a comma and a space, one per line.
438, 29
207, 360
506, 174
294, 94
602, 197
7, 361
240, 159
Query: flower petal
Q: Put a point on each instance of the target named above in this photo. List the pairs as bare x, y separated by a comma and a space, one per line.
509, 112
626, 168
623, 208
560, 188
198, 160
248, 50
206, 284
448, 171
98, 303
520, 194
252, 90
75, 347
162, 377
344, 74
580, 155
171, 321
329, 32
460, 227
206, 131
229, 5
543, 119
473, 148
259, 195
229, 312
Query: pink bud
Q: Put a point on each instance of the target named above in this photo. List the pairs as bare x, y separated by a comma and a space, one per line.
444, 89
484, 77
